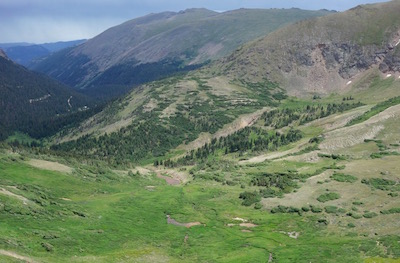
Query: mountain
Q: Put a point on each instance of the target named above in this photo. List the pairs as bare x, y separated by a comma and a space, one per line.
27, 54
158, 45
28, 100
334, 54
322, 55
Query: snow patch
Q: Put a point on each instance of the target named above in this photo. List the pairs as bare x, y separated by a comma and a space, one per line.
388, 75
348, 83
398, 42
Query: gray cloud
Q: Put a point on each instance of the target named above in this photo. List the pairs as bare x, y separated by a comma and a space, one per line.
53, 20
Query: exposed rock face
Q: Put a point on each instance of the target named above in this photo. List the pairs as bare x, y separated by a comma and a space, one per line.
391, 62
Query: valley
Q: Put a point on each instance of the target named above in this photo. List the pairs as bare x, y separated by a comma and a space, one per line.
286, 150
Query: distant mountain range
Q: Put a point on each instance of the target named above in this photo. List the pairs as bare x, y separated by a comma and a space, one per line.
27, 53
159, 45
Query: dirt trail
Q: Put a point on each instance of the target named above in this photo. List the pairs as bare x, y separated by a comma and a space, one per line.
274, 155
15, 255
6, 192
48, 165
176, 223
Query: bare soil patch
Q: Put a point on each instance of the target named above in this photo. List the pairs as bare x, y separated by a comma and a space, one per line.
172, 221
274, 155
20, 197
248, 225
15, 255
52, 166
169, 180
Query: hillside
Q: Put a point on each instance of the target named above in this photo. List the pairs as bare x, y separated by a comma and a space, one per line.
29, 99
322, 55
158, 45
252, 78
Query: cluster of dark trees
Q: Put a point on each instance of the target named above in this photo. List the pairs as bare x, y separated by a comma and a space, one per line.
247, 139
284, 117
131, 143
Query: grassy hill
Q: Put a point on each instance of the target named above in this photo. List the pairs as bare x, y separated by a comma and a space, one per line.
159, 45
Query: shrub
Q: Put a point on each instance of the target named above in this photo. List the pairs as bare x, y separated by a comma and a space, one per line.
345, 178
328, 197
370, 214
354, 215
48, 247
258, 206
351, 225
331, 209
316, 209
394, 210
305, 208
249, 198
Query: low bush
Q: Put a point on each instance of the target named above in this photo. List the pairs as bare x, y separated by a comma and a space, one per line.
328, 197
370, 214
345, 178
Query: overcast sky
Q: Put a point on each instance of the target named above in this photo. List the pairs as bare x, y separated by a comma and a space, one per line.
39, 21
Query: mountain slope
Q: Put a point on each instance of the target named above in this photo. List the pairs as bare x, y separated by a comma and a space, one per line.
157, 45
253, 78
28, 99
324, 54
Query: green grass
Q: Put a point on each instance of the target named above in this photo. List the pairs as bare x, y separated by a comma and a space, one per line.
125, 221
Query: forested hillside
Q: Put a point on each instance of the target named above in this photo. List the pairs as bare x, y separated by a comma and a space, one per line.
34, 103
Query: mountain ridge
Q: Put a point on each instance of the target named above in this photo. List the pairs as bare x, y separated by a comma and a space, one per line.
177, 39
322, 54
